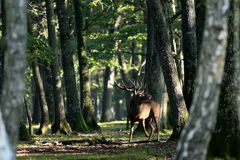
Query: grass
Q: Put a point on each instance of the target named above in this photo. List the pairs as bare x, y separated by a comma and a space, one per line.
115, 148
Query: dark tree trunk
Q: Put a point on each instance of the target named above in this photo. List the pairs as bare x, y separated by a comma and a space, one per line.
225, 141
200, 21
43, 103
14, 66
189, 49
60, 124
163, 46
197, 132
236, 49
23, 133
36, 104
74, 113
154, 77
2, 45
153, 69
85, 98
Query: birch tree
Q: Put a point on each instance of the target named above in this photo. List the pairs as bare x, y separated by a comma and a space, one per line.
13, 89
196, 135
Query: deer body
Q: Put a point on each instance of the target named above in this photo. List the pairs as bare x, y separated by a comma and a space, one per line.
142, 110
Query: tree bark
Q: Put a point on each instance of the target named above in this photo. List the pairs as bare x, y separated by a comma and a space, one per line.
200, 8
36, 104
189, 49
169, 69
60, 124
13, 89
236, 49
45, 71
85, 98
74, 112
197, 132
225, 141
43, 103
107, 113
2, 45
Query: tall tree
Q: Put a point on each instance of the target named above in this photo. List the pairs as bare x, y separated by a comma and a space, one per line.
60, 123
197, 132
169, 70
236, 49
153, 67
200, 7
15, 57
108, 79
2, 48
74, 113
189, 49
225, 141
85, 98
43, 103
39, 87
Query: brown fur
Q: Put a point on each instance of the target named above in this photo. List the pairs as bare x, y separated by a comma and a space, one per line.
141, 109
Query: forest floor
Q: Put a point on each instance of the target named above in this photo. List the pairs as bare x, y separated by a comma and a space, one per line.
111, 143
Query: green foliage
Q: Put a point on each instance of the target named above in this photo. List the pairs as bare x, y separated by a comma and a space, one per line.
112, 32
38, 49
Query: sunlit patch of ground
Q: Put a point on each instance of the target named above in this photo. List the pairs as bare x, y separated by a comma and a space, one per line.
111, 143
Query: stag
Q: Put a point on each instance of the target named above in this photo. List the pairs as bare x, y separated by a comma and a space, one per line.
141, 108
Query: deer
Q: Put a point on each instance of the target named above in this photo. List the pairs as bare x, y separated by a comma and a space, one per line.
141, 108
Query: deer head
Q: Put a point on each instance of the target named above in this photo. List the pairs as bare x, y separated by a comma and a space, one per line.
136, 89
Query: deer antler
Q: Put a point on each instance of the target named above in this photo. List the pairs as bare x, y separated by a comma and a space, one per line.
124, 87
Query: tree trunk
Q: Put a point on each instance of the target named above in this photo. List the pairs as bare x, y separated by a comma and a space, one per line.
85, 98
74, 112
45, 71
2, 48
200, 8
107, 113
197, 132
43, 103
60, 124
236, 49
189, 49
124, 78
29, 117
169, 69
13, 89
36, 104
225, 141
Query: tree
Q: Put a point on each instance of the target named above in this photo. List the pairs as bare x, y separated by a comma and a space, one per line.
39, 86
85, 98
189, 49
60, 123
13, 89
155, 83
108, 79
197, 132
74, 113
225, 141
2, 48
169, 70
43, 103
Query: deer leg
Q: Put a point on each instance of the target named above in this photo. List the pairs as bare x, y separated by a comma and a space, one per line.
152, 130
156, 120
131, 132
144, 128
